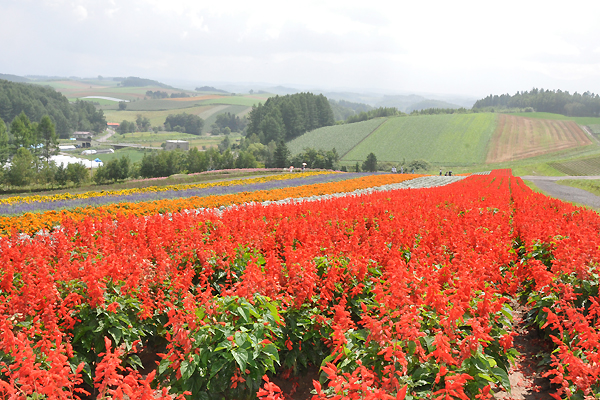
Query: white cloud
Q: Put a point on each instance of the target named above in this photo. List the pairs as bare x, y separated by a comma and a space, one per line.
471, 46
80, 12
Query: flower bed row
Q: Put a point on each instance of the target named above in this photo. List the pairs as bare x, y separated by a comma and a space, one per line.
199, 191
400, 294
152, 189
559, 253
30, 223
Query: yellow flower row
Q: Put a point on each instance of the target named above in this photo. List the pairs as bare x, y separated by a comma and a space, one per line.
33, 222
87, 195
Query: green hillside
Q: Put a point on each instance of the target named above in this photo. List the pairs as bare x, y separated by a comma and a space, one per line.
341, 137
451, 139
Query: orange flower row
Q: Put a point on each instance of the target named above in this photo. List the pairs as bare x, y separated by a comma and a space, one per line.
31, 223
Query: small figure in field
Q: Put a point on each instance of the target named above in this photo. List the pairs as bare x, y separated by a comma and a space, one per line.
446, 174
291, 168
393, 170
440, 172
401, 170
413, 171
449, 173
303, 166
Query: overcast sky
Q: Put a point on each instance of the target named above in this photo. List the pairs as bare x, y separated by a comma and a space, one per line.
456, 47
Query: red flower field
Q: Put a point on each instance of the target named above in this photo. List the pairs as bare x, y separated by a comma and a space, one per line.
392, 295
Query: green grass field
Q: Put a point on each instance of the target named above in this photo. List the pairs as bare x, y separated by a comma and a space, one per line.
234, 100
591, 185
579, 120
152, 139
341, 137
449, 140
156, 117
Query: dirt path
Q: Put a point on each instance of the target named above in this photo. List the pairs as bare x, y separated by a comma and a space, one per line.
104, 138
574, 195
526, 380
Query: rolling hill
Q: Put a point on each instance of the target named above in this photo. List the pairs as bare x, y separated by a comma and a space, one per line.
341, 137
456, 139
449, 139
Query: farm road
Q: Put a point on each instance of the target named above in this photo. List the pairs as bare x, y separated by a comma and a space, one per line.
551, 188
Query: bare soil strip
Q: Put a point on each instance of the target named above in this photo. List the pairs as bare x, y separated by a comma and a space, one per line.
517, 138
526, 380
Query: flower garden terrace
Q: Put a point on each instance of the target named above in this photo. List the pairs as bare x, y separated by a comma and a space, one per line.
393, 294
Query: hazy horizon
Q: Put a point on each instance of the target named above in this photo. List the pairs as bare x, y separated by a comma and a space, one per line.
461, 48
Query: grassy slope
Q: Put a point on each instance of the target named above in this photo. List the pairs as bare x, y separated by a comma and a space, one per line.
341, 137
591, 185
458, 139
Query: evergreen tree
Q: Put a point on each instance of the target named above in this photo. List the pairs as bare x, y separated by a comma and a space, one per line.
4, 150
281, 155
370, 164
294, 115
60, 175
22, 132
271, 128
21, 171
47, 137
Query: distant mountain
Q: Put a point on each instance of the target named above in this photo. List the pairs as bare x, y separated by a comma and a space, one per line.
364, 98
401, 102
425, 104
134, 81
281, 90
14, 78
210, 89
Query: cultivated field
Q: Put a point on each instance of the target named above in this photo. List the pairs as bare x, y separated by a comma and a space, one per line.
458, 139
541, 115
341, 137
518, 137
587, 166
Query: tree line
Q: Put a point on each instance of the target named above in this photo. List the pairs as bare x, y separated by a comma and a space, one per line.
164, 95
343, 109
436, 111
552, 101
29, 146
287, 117
35, 101
227, 123
375, 113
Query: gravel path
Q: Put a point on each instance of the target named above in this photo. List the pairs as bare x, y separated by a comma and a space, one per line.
574, 195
